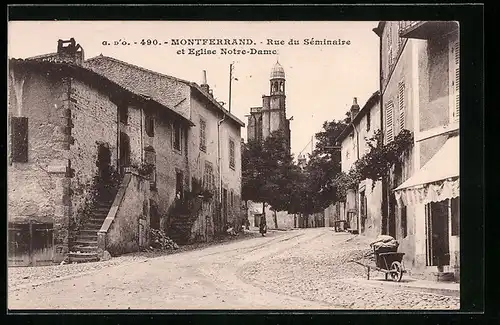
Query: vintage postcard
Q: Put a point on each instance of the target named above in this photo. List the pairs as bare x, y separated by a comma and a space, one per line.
233, 165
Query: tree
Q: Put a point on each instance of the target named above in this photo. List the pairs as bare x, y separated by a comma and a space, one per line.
323, 166
268, 172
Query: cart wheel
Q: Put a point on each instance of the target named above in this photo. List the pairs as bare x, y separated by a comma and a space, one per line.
396, 271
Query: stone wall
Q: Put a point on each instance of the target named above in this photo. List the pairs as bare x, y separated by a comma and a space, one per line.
94, 118
127, 216
38, 189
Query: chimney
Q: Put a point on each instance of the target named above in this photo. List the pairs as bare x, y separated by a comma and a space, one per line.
69, 51
354, 108
204, 84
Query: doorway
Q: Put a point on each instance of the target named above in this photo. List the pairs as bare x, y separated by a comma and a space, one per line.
438, 248
124, 151
362, 208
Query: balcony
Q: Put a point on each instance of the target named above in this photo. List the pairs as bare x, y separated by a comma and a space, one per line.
426, 29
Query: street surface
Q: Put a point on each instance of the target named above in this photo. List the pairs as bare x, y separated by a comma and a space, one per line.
299, 269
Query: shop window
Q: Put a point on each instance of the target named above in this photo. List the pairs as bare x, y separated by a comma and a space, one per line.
19, 139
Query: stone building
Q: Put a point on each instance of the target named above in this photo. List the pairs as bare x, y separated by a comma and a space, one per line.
419, 74
361, 208
96, 160
271, 116
213, 145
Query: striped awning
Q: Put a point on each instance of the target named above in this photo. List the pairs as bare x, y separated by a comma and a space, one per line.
437, 180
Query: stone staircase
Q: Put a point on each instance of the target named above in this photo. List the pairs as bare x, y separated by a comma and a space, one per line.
84, 247
180, 229
183, 218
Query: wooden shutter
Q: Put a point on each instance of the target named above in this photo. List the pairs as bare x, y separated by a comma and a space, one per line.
455, 81
203, 141
402, 107
389, 121
19, 138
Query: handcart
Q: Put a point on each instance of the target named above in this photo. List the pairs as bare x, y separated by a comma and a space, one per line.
387, 260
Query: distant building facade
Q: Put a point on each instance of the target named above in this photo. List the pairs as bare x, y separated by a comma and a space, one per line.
271, 116
361, 208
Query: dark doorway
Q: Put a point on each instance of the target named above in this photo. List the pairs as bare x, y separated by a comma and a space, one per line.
124, 151
392, 216
103, 164
363, 210
179, 188
154, 216
438, 248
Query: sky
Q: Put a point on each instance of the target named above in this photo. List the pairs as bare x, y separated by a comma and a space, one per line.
321, 80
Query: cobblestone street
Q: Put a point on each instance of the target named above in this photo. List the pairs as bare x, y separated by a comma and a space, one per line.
299, 269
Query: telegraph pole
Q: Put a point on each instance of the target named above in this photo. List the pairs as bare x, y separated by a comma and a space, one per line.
230, 83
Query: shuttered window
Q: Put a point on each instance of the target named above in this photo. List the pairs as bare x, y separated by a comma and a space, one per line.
455, 81
389, 121
203, 139
401, 104
231, 154
19, 138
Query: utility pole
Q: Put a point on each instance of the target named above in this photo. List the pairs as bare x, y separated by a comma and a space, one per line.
230, 83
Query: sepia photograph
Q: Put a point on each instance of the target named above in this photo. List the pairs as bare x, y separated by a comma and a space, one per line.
233, 165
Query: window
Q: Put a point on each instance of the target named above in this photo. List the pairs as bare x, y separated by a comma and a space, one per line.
123, 112
19, 139
177, 135
389, 121
231, 154
231, 199
454, 77
402, 106
150, 125
404, 222
208, 176
455, 216
203, 139
368, 121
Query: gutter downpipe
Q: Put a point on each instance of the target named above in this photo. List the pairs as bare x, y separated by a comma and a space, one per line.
385, 216
219, 160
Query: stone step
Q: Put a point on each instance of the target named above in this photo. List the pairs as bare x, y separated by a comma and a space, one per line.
86, 242
94, 220
88, 232
91, 237
101, 210
84, 248
82, 257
